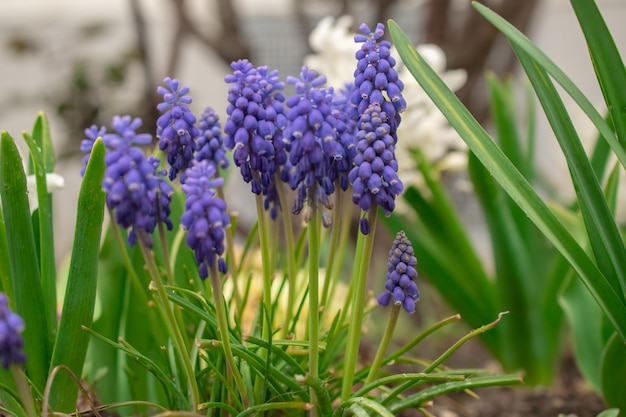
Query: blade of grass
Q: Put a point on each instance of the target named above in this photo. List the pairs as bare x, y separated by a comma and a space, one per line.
606, 242
47, 265
607, 63
5, 267
80, 295
27, 292
511, 180
517, 38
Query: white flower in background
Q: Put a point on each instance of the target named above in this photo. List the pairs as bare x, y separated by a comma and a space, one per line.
423, 125
54, 182
333, 48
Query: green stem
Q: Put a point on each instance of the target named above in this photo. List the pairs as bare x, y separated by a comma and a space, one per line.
334, 245
358, 305
291, 255
24, 390
222, 320
231, 260
384, 344
314, 255
130, 270
264, 244
353, 278
170, 318
169, 272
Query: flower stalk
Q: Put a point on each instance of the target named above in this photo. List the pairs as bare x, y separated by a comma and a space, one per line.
358, 307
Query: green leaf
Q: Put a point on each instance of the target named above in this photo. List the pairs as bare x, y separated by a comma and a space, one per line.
27, 292
80, 295
614, 373
607, 63
585, 320
43, 139
47, 261
605, 238
5, 267
517, 38
511, 180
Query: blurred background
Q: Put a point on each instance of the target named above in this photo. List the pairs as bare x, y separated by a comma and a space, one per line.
85, 61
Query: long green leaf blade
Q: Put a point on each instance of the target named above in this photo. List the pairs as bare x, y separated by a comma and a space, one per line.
604, 235
47, 264
28, 296
80, 296
517, 38
606, 61
510, 179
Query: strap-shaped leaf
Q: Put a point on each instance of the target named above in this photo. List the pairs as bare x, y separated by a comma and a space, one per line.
604, 235
607, 63
80, 295
510, 179
47, 264
517, 38
22, 256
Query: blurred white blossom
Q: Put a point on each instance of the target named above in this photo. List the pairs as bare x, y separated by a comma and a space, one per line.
54, 182
423, 125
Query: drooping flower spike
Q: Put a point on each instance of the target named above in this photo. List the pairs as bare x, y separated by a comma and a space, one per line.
375, 79
254, 128
210, 142
205, 216
400, 286
312, 134
176, 128
374, 176
11, 342
376, 106
136, 194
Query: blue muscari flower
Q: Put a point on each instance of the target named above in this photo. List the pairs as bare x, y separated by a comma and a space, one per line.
400, 285
205, 216
375, 79
313, 138
176, 128
254, 128
11, 342
133, 189
161, 211
210, 142
374, 176
86, 145
346, 131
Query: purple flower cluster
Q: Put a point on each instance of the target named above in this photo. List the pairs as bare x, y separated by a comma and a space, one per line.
205, 216
255, 123
374, 176
11, 342
313, 138
135, 189
210, 143
346, 132
375, 79
376, 106
401, 275
176, 128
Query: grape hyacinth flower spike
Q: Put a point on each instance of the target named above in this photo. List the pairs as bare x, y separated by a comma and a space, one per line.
376, 106
313, 138
205, 216
400, 286
176, 129
133, 189
210, 142
375, 79
254, 127
11, 342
